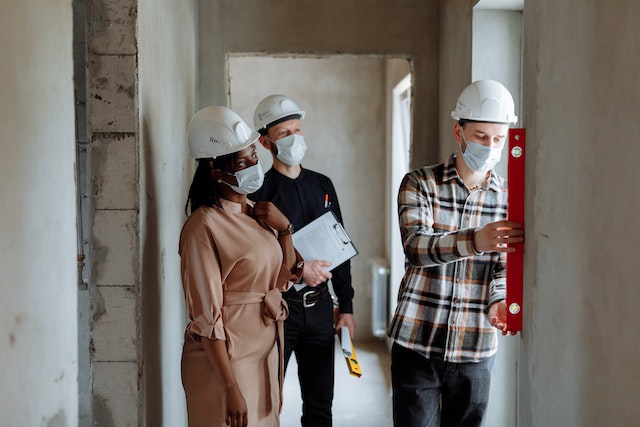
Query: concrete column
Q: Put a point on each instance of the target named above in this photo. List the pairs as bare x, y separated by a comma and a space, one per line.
115, 260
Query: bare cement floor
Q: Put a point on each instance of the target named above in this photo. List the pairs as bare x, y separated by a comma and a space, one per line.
358, 402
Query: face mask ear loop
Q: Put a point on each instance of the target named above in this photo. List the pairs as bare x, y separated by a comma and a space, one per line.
272, 144
464, 139
222, 181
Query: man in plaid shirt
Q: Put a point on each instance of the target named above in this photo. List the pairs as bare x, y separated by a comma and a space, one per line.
451, 300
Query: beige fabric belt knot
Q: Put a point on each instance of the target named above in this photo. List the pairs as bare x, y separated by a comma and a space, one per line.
275, 310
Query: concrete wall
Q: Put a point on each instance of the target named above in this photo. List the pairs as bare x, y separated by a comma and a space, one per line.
454, 65
497, 54
345, 129
38, 279
407, 29
581, 102
497, 49
167, 93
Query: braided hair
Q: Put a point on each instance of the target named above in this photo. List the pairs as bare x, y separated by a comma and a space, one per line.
203, 190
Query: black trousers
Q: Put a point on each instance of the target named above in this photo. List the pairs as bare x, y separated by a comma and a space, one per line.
309, 333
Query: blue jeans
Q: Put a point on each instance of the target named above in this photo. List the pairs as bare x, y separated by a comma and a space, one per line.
434, 393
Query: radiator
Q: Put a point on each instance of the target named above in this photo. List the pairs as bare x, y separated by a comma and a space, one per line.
379, 279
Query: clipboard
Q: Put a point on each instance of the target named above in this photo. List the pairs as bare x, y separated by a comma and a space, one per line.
324, 238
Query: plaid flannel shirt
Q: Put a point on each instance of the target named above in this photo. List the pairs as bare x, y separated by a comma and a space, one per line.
448, 286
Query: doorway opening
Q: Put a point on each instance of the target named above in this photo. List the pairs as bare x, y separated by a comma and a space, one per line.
400, 153
347, 128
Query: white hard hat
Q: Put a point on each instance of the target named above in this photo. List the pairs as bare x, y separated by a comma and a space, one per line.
485, 101
217, 131
273, 108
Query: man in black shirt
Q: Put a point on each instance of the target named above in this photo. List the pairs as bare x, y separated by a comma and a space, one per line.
303, 195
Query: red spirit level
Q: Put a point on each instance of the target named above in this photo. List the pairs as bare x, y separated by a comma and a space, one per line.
515, 212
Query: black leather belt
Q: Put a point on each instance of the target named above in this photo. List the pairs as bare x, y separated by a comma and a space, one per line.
308, 298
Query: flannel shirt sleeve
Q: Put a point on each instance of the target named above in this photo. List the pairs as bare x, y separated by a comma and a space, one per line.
425, 243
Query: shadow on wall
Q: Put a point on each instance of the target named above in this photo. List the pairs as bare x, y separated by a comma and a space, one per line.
152, 263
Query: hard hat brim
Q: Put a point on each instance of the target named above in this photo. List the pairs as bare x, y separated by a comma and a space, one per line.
457, 117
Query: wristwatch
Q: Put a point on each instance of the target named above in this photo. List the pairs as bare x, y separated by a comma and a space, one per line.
289, 230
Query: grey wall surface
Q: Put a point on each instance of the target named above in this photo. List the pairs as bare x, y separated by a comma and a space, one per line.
167, 100
407, 29
497, 49
454, 65
38, 273
581, 102
497, 55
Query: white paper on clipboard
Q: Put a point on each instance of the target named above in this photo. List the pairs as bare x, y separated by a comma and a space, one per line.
324, 239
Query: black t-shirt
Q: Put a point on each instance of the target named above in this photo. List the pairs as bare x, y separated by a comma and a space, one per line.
302, 200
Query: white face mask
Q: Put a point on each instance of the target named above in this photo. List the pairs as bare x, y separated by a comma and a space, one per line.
249, 179
291, 149
480, 158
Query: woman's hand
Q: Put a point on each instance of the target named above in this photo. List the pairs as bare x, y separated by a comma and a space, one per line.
216, 351
270, 215
236, 408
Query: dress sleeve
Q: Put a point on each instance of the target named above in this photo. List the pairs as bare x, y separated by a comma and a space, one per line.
287, 277
202, 283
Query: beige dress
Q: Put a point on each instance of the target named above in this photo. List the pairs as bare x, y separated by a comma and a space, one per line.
232, 274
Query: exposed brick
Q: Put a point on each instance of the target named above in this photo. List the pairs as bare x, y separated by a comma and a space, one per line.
111, 26
116, 394
115, 247
115, 334
112, 87
114, 171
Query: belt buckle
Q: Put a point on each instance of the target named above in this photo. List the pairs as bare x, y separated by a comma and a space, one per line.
306, 304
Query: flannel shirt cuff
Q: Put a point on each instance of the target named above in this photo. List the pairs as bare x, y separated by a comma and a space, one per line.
465, 244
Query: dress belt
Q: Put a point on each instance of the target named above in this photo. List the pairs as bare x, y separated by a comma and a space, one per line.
276, 310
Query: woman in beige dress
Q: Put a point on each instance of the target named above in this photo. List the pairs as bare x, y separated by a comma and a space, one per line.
236, 258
